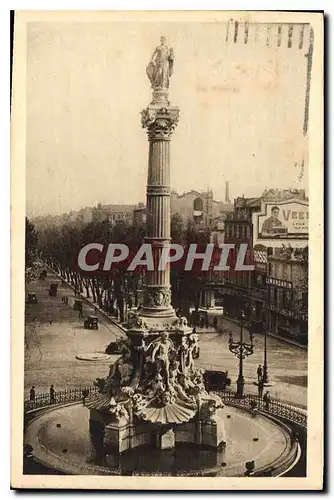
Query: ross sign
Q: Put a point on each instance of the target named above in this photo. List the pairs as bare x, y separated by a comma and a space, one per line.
260, 258
279, 283
281, 222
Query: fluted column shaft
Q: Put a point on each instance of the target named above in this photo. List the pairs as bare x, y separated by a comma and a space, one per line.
160, 123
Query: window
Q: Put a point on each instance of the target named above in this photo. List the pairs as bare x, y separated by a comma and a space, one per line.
275, 296
285, 301
198, 205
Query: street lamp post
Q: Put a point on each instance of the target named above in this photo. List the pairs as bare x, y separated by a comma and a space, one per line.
241, 350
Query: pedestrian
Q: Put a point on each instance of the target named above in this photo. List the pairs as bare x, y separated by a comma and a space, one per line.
32, 393
80, 311
266, 399
194, 330
259, 373
260, 388
66, 300
52, 395
85, 393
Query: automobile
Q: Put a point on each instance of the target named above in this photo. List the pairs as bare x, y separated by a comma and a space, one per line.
257, 326
77, 306
216, 380
115, 347
53, 289
91, 323
32, 299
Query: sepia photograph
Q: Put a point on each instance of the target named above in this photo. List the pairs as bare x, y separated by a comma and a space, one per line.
164, 257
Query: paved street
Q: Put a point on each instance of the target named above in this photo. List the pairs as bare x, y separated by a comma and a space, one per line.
51, 349
287, 363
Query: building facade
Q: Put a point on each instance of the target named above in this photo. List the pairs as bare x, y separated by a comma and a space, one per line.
115, 214
264, 292
200, 208
233, 288
287, 285
139, 215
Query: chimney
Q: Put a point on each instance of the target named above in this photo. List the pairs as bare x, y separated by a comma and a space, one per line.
227, 192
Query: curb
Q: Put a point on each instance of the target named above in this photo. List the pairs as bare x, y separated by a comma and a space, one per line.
89, 302
273, 335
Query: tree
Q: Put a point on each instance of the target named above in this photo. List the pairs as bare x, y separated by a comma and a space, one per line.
31, 240
176, 228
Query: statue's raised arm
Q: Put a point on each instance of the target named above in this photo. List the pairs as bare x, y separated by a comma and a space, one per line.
160, 68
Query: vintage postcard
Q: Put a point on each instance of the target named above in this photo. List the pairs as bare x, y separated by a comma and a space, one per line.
167, 246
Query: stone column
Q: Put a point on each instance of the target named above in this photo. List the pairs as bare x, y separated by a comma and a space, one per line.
160, 119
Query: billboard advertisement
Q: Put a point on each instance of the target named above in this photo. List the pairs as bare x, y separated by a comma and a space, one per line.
260, 258
280, 222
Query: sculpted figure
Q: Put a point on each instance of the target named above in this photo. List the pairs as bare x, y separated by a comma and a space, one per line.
160, 68
174, 385
160, 355
117, 410
138, 402
209, 407
124, 372
192, 352
158, 385
184, 348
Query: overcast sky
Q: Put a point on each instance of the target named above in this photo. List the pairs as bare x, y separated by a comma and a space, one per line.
241, 112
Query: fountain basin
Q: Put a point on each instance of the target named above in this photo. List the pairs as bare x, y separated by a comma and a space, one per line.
61, 441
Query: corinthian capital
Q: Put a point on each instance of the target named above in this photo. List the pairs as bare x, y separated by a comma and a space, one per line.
160, 122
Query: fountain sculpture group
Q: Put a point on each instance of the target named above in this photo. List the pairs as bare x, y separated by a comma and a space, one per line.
153, 394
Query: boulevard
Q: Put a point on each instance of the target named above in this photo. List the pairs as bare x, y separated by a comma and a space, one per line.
51, 349
55, 335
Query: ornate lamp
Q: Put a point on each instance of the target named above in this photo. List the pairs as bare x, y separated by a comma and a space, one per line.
241, 350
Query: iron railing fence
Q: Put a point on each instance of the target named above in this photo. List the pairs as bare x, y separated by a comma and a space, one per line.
273, 406
60, 397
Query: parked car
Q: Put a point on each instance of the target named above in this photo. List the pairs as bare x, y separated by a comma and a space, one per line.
216, 380
77, 306
91, 323
115, 347
53, 289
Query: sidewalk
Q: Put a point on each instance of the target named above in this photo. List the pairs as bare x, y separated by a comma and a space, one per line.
90, 302
273, 335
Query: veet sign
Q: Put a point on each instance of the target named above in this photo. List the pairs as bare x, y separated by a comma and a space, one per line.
280, 222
